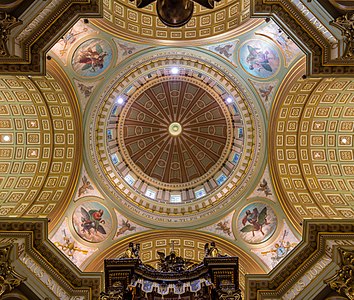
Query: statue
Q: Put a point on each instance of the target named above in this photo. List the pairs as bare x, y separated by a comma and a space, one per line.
132, 252
172, 262
9, 278
7, 23
211, 251
345, 24
175, 13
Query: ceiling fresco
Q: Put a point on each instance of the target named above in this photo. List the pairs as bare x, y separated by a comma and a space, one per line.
130, 149
209, 174
130, 137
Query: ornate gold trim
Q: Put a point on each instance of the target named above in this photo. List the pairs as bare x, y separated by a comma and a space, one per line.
294, 73
320, 238
9, 278
7, 23
58, 73
246, 261
343, 281
247, 26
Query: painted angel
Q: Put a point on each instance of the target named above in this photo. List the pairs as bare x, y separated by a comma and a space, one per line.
92, 219
126, 226
256, 220
92, 58
86, 185
257, 59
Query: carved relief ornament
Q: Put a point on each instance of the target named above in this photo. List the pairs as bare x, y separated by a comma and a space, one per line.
7, 23
345, 23
9, 278
343, 280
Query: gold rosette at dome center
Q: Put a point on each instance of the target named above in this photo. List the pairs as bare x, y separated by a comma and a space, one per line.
175, 132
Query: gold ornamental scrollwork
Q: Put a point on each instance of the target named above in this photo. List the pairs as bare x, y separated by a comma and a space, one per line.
116, 292
9, 278
343, 280
345, 23
7, 23
228, 291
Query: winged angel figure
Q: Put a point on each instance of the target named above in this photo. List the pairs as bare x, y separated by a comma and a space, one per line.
257, 59
256, 220
92, 219
86, 185
92, 58
126, 226
263, 187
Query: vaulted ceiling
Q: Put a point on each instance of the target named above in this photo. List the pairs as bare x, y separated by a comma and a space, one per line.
175, 134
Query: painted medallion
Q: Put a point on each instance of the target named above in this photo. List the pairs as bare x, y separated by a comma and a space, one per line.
92, 58
92, 222
256, 223
259, 58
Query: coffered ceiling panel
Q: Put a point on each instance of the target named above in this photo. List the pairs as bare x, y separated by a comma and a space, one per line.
40, 142
124, 19
312, 158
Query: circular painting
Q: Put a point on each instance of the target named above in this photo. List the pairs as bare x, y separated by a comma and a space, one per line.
92, 222
258, 58
92, 57
256, 223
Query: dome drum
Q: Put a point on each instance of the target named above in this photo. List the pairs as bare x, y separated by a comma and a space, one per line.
173, 176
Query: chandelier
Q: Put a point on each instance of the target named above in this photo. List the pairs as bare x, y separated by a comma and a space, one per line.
175, 13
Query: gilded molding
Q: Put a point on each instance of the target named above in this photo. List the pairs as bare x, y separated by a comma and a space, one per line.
33, 40
61, 77
38, 251
315, 44
320, 237
152, 211
124, 19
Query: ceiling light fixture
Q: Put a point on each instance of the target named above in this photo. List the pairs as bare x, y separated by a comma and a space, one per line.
175, 13
120, 100
6, 138
229, 100
174, 70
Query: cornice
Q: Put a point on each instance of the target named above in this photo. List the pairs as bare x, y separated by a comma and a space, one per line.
316, 234
48, 257
323, 52
33, 40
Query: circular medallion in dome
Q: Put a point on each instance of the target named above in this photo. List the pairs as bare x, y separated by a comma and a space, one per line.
174, 133
256, 222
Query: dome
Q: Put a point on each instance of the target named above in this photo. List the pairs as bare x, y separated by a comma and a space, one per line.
175, 146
